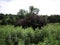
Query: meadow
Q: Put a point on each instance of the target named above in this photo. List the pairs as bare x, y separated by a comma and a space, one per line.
47, 35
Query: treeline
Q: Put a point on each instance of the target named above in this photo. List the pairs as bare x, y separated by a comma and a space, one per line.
10, 18
54, 19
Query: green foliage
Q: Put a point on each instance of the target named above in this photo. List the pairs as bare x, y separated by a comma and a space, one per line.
54, 19
48, 35
22, 13
32, 10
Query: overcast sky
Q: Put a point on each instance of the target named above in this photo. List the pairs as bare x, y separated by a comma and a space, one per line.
45, 6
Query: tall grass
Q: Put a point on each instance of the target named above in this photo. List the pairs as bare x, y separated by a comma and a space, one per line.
48, 35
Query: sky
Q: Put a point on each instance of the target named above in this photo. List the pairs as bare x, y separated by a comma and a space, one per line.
46, 7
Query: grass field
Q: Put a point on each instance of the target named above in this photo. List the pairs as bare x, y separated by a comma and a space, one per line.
48, 35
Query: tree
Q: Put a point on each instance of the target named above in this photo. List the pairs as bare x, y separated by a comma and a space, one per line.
33, 10
1, 16
22, 13
36, 10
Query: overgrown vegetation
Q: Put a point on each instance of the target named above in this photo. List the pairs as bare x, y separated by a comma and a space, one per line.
11, 18
48, 35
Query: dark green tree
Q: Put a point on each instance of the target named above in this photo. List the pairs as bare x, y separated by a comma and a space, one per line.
22, 13
32, 10
1, 16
